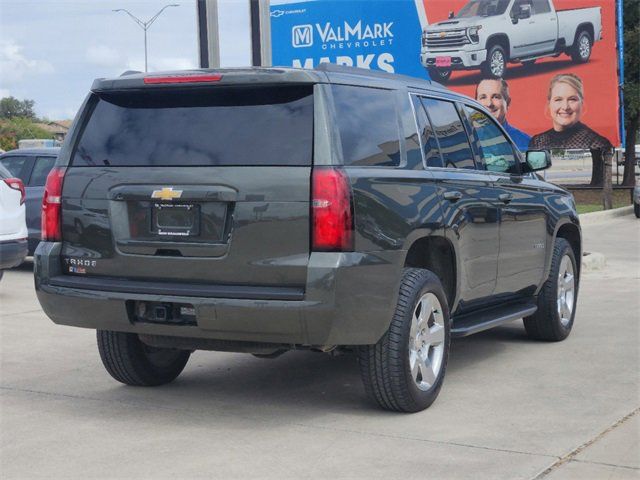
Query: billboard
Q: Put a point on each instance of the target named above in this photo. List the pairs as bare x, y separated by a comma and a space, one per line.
546, 69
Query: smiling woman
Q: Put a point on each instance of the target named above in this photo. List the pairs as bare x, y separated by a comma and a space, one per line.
566, 107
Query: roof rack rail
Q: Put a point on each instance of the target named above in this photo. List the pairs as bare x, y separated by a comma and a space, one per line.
129, 72
365, 72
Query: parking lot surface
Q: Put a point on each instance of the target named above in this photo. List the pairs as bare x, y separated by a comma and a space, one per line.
510, 407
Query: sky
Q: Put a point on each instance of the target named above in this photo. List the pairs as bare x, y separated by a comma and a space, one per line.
52, 50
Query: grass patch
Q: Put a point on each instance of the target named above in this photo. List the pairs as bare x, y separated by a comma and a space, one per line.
590, 207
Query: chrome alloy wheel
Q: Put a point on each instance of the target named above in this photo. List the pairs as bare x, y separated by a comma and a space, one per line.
566, 291
497, 63
426, 341
584, 47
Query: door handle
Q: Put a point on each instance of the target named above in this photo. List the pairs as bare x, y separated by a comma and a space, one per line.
452, 196
505, 197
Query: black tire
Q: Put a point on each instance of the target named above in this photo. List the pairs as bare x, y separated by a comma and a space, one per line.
495, 67
546, 324
636, 210
581, 49
131, 362
440, 75
386, 366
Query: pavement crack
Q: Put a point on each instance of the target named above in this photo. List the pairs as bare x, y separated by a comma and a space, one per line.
84, 397
626, 467
426, 440
560, 460
573, 453
297, 424
24, 313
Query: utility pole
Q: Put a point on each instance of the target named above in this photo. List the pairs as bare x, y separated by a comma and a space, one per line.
145, 25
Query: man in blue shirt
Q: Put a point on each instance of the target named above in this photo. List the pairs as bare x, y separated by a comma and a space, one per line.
493, 94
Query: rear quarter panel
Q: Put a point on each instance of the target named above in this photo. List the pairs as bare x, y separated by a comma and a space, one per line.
570, 20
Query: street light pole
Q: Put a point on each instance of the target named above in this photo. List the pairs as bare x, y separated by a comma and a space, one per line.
145, 25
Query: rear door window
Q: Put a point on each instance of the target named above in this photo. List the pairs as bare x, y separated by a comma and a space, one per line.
221, 126
4, 173
41, 169
541, 6
368, 124
17, 166
428, 139
450, 132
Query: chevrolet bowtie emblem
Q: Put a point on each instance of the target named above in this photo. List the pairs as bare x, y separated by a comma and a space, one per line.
166, 193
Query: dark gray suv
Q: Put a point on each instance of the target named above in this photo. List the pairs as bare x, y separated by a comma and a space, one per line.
335, 210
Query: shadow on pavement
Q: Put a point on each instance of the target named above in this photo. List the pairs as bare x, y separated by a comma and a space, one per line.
297, 384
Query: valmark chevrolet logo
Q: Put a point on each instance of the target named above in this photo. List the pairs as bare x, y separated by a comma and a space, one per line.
166, 193
302, 36
345, 34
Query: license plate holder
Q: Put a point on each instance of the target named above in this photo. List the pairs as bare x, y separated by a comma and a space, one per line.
175, 219
443, 61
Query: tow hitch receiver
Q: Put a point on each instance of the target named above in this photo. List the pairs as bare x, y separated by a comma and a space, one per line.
161, 312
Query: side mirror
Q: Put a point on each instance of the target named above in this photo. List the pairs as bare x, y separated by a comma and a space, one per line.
451, 14
538, 160
525, 12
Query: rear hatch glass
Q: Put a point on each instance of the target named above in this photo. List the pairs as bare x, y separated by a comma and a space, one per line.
199, 127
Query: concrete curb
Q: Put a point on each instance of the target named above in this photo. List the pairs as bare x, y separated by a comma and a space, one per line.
597, 217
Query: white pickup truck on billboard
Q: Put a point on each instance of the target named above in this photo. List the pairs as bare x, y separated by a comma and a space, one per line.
488, 34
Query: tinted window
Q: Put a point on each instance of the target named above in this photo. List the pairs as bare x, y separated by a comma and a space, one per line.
411, 138
4, 173
427, 136
15, 165
495, 149
368, 125
198, 127
41, 169
483, 8
452, 137
541, 6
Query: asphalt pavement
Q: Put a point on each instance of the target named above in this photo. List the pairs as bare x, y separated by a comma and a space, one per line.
510, 407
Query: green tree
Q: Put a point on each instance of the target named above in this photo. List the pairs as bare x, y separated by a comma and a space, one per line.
631, 14
11, 107
15, 129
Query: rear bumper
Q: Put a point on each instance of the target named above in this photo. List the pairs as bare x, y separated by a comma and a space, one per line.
12, 253
348, 299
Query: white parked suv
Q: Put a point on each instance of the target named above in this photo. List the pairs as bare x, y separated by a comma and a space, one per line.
488, 34
13, 227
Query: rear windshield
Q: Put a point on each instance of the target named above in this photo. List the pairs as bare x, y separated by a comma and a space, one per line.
199, 127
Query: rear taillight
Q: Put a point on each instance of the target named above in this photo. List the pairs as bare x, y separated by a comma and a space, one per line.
51, 220
331, 214
16, 184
